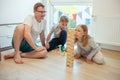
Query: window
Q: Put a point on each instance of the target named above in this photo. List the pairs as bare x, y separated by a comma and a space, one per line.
77, 14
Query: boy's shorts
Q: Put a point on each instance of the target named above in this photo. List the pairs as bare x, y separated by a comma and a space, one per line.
24, 47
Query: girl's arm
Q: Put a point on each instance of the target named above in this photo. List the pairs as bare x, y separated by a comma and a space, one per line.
94, 50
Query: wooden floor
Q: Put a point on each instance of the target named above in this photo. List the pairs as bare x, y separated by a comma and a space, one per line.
53, 68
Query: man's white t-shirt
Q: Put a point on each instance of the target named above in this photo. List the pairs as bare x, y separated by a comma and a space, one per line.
36, 27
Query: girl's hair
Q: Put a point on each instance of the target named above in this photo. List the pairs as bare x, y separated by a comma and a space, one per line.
38, 5
85, 36
63, 19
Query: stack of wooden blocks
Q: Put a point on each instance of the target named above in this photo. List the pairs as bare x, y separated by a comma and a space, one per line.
70, 49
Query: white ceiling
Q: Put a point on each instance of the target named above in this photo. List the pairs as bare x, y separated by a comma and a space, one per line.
55, 1
70, 1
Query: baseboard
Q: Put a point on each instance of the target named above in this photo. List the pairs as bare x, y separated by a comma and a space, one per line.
6, 48
111, 47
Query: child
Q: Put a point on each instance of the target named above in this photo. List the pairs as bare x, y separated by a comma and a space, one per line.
86, 46
60, 34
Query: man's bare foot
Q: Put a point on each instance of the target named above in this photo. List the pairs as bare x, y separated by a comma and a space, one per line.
7, 56
18, 59
0, 56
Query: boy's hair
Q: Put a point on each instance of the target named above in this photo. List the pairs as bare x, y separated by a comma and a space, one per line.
63, 19
38, 5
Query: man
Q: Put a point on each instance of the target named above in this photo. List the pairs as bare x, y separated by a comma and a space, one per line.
26, 34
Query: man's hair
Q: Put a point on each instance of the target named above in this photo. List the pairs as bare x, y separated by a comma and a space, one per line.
38, 5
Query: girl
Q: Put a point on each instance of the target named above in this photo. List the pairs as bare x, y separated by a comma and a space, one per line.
86, 46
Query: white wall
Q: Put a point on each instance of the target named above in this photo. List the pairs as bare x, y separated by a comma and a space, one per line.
106, 8
106, 22
14, 11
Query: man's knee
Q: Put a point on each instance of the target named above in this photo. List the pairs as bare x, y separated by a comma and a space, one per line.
19, 27
43, 53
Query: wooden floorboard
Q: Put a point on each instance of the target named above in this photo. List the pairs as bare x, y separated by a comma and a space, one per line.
53, 68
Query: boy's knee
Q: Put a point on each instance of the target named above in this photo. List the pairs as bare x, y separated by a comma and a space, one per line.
63, 37
63, 32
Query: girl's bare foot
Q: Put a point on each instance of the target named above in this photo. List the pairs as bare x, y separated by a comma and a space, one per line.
77, 56
89, 61
18, 59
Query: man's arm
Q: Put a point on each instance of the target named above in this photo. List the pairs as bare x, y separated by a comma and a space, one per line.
28, 37
48, 37
42, 38
47, 40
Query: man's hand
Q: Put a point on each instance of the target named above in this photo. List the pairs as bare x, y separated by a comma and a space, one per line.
40, 48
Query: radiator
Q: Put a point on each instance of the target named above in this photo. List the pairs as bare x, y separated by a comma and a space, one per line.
106, 30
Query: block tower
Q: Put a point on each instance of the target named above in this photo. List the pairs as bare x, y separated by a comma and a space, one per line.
70, 49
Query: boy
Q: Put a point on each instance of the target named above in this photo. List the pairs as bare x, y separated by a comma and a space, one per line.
60, 34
